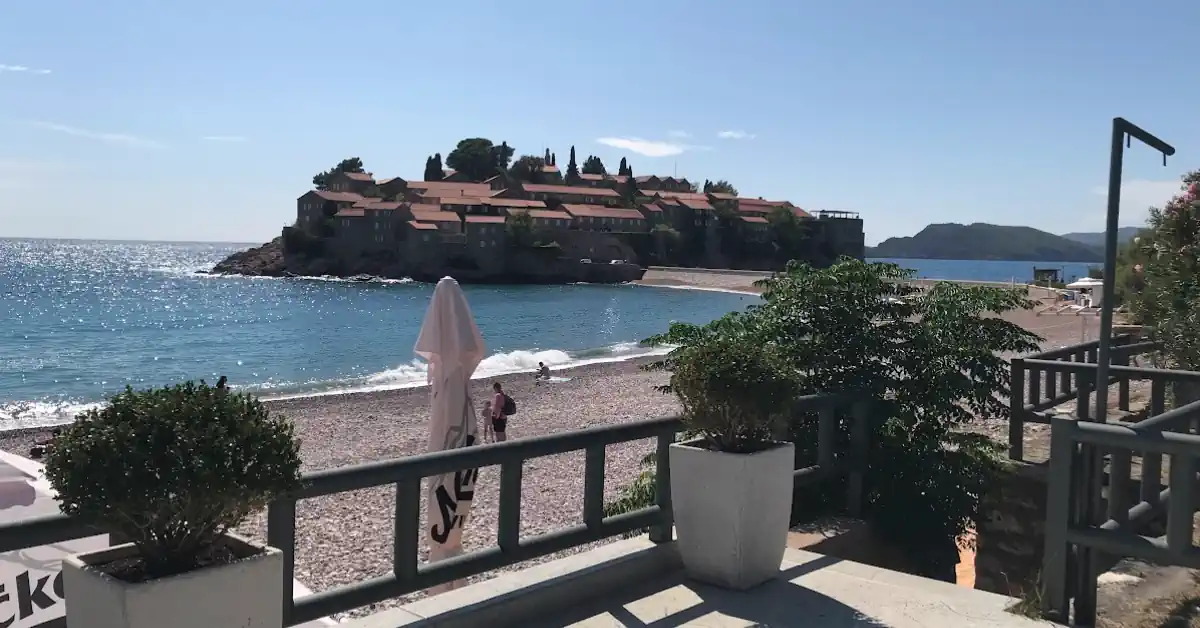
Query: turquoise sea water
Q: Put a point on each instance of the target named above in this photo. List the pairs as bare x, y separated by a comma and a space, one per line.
81, 320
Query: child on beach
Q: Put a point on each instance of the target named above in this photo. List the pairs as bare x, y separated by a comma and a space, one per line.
488, 435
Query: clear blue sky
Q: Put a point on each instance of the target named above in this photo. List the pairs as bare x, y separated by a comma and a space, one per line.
205, 120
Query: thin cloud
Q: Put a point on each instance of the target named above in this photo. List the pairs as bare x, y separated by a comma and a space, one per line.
679, 134
123, 139
22, 68
648, 148
735, 135
228, 139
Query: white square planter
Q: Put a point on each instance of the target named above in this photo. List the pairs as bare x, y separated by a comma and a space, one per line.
244, 594
731, 512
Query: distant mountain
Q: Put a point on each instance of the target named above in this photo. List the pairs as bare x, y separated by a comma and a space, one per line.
1124, 234
981, 241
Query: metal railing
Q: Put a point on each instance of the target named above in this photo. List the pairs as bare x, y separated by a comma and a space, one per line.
1079, 530
406, 475
1044, 380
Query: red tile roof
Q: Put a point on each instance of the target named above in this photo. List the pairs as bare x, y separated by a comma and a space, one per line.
435, 216
800, 213
619, 178
351, 212
461, 200
540, 213
755, 219
695, 203
513, 202
597, 211
422, 226
756, 201
385, 205
424, 207
486, 219
359, 176
549, 168
683, 196
651, 207
569, 189
645, 178
756, 209
480, 189
386, 181
722, 196
367, 200
339, 197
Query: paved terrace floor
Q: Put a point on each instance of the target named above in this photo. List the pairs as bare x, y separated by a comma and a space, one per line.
812, 591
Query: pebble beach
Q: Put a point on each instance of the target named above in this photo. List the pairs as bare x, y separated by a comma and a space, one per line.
346, 538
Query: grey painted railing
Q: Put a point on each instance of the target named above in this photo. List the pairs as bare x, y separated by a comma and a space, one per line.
406, 474
1044, 380
1079, 532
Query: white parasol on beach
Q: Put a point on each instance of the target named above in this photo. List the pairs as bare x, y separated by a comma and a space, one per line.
452, 345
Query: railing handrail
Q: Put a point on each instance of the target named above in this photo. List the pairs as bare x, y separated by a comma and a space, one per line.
1135, 372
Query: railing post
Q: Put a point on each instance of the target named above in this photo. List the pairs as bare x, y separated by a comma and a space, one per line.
593, 486
860, 453
1016, 412
281, 534
1152, 461
509, 526
1056, 593
406, 528
665, 530
1123, 384
1182, 482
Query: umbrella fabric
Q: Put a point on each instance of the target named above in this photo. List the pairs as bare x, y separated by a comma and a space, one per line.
452, 345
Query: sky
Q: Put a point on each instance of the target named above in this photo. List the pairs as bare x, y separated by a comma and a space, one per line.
204, 121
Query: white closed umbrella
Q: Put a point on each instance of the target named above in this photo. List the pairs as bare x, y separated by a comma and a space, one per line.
452, 345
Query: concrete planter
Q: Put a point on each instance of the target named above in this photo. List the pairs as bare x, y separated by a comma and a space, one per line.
731, 512
242, 594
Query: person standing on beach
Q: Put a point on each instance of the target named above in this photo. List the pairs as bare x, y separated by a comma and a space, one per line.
499, 421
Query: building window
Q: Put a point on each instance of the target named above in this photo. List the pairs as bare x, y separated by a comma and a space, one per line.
482, 244
493, 243
425, 237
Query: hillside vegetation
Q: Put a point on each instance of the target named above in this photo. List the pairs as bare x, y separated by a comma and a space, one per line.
981, 241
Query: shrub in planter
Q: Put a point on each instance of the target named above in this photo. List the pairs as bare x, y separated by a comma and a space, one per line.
172, 470
731, 486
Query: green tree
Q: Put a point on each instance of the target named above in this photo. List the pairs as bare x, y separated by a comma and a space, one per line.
553, 160
930, 362
546, 158
433, 169
353, 164
528, 168
475, 157
719, 187
1169, 252
503, 156
789, 233
623, 168
593, 165
520, 228
629, 192
572, 169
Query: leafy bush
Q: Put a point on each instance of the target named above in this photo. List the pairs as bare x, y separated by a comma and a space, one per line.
172, 469
929, 361
1170, 296
735, 395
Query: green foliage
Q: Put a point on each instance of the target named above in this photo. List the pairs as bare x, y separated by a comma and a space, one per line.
173, 468
629, 192
790, 234
929, 361
475, 157
719, 187
734, 394
1170, 253
433, 168
321, 180
546, 157
300, 242
593, 165
572, 175
623, 169
666, 231
520, 228
502, 155
528, 168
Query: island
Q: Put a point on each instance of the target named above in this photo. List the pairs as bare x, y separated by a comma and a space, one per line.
980, 241
483, 217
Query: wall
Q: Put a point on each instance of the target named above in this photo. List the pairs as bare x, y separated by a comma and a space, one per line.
1011, 532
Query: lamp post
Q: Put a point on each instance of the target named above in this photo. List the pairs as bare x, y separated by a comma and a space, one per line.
1123, 132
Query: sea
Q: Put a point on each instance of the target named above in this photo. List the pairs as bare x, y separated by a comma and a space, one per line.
80, 320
